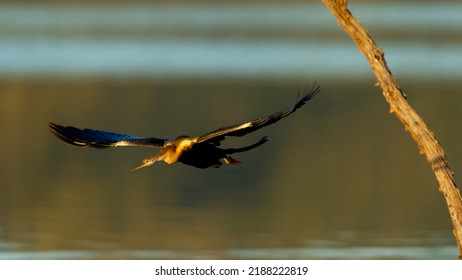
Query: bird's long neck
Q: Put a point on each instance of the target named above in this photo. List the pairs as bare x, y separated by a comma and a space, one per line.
173, 152
171, 155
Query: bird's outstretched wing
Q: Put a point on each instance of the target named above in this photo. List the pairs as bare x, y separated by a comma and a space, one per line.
100, 139
247, 127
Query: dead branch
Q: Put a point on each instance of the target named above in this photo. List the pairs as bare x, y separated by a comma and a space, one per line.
412, 122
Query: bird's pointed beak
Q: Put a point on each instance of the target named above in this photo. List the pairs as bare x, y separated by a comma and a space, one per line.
142, 164
148, 161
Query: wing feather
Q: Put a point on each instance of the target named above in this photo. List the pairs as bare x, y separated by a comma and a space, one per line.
100, 139
247, 127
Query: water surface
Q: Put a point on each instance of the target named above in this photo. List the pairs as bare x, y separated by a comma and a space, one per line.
340, 179
421, 41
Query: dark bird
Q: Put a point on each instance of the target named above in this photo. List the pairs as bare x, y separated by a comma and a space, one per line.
200, 152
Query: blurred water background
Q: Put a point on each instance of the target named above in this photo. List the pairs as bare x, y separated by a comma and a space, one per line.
340, 179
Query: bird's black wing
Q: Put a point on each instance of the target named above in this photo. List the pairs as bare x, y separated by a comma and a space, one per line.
100, 139
247, 127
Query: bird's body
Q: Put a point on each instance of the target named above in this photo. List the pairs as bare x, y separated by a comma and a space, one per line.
200, 152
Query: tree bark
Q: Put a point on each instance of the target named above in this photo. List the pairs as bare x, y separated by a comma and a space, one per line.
412, 122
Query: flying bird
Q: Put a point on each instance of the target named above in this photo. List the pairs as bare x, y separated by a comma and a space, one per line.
201, 152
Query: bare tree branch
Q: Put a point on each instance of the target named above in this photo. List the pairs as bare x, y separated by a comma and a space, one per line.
412, 122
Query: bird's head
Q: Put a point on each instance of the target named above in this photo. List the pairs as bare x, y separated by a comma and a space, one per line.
152, 159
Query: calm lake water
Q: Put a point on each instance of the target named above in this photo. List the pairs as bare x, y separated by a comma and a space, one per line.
421, 41
340, 179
